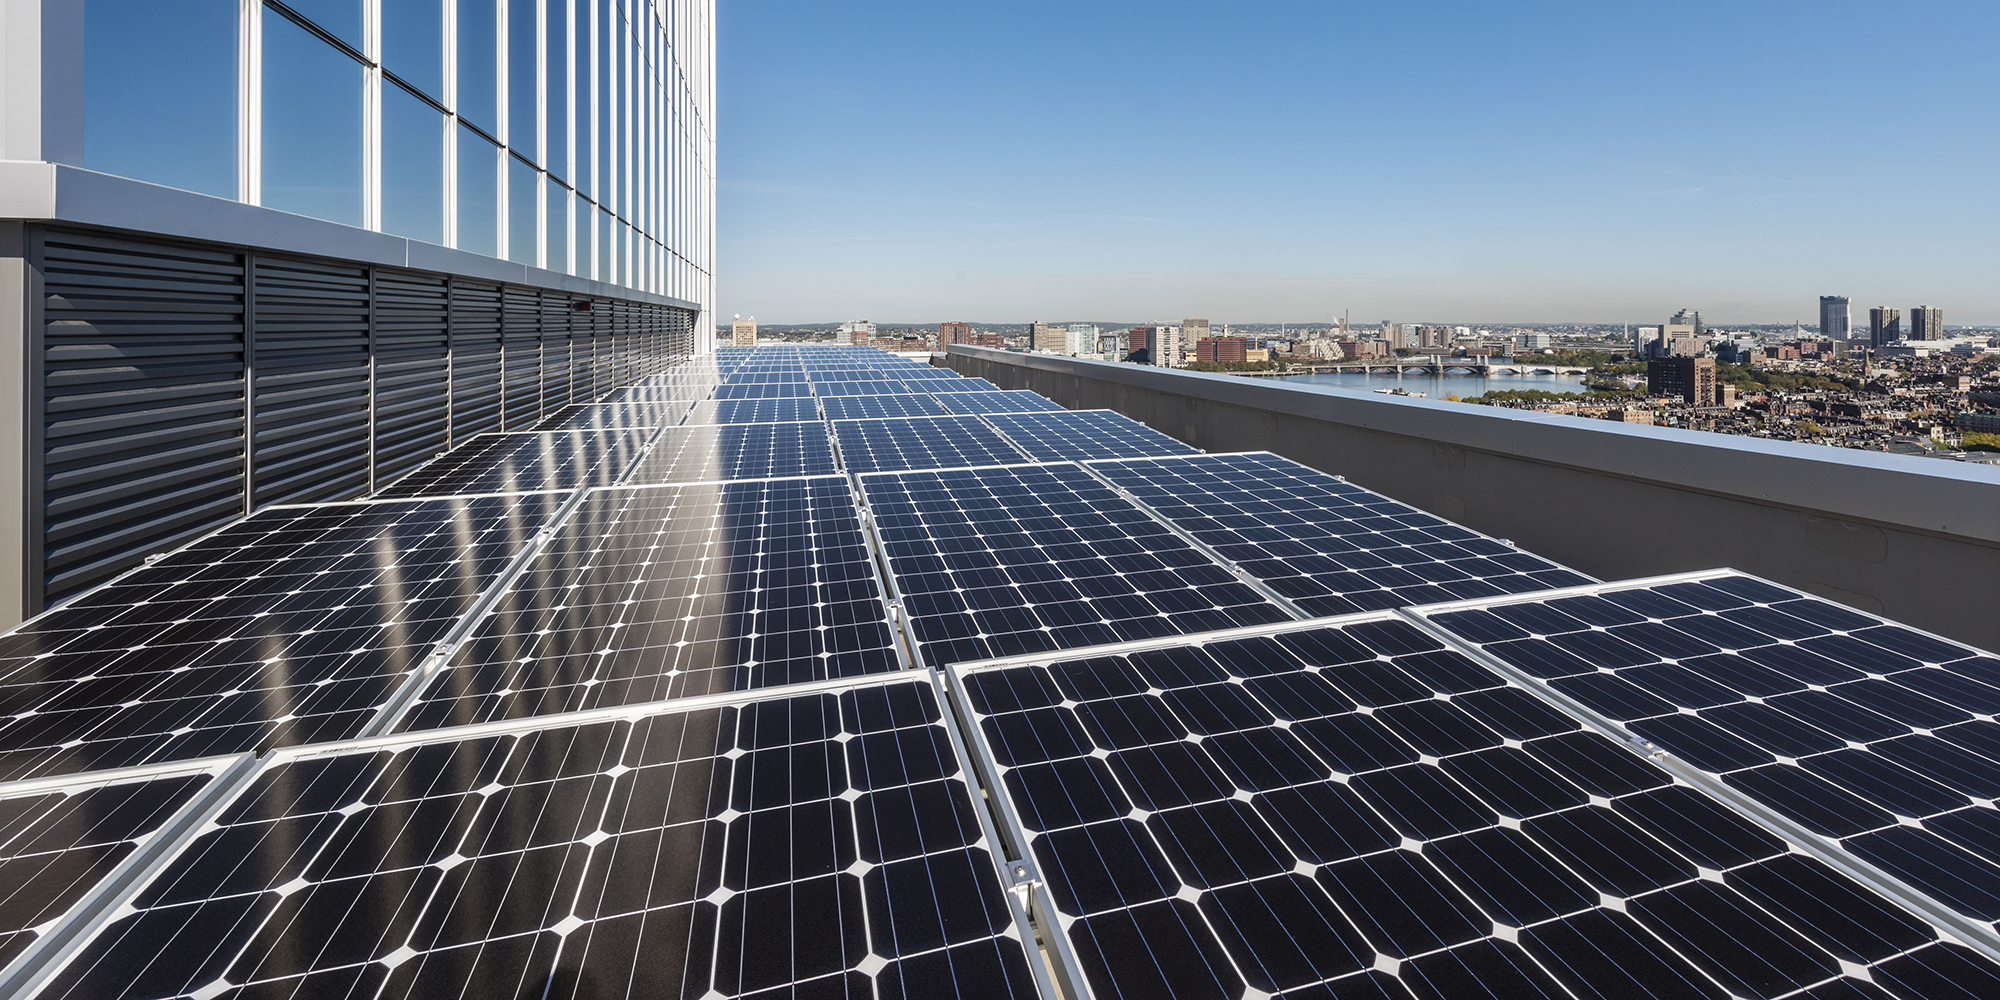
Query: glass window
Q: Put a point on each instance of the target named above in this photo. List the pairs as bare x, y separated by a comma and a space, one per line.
607, 261
339, 18
413, 43
312, 124
606, 105
584, 212
522, 50
478, 44
626, 267
524, 212
557, 227
159, 92
555, 126
580, 88
412, 166
478, 194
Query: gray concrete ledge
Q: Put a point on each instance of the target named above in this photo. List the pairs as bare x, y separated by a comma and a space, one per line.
1916, 539
34, 191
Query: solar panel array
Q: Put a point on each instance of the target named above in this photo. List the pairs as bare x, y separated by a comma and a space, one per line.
1351, 809
633, 703
1875, 736
1327, 545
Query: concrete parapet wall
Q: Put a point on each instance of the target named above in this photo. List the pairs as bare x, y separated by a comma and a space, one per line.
1915, 539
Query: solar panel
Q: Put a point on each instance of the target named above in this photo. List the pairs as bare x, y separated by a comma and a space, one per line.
617, 416
1328, 545
714, 452
763, 390
294, 626
661, 592
1017, 401
1348, 809
60, 841
1871, 735
915, 371
1068, 436
525, 462
861, 387
766, 374
817, 844
896, 443
989, 562
753, 411
908, 404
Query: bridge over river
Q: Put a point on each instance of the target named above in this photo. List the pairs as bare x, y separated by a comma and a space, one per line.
1424, 366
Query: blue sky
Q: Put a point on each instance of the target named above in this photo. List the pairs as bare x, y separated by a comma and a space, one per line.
1283, 161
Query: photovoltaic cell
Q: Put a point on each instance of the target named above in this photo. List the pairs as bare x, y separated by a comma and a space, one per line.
1328, 545
1862, 731
867, 387
664, 592
763, 390
818, 845
1075, 435
1017, 401
766, 374
753, 411
991, 562
617, 416
894, 443
514, 463
907, 372
908, 404
713, 452
1349, 809
57, 844
294, 626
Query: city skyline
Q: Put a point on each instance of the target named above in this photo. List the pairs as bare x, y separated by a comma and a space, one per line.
1442, 160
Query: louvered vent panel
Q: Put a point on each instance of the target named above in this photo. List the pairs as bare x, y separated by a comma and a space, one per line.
410, 373
521, 358
310, 421
558, 352
142, 402
475, 359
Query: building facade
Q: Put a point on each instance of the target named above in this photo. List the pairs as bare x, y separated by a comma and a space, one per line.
1431, 339
1044, 337
1221, 350
1834, 316
954, 333
743, 333
1691, 380
1885, 325
254, 254
1080, 338
1927, 323
857, 332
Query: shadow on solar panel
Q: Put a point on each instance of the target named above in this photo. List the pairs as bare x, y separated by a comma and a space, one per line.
1348, 808
293, 626
814, 844
1874, 736
508, 463
663, 592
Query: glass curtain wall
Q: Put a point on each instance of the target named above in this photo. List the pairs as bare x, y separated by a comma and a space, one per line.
566, 134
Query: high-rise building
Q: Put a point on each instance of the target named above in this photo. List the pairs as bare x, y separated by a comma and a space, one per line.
1044, 337
1689, 318
1690, 379
1162, 344
858, 331
1193, 330
317, 244
1885, 325
1080, 338
1433, 339
1834, 317
743, 333
1221, 350
954, 333
1927, 323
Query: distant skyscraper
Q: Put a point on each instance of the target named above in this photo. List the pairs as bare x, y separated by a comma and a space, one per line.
1885, 325
1433, 339
954, 333
1690, 379
1393, 333
1080, 338
1688, 318
1833, 317
1193, 330
1165, 346
856, 332
743, 332
1043, 337
1927, 323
